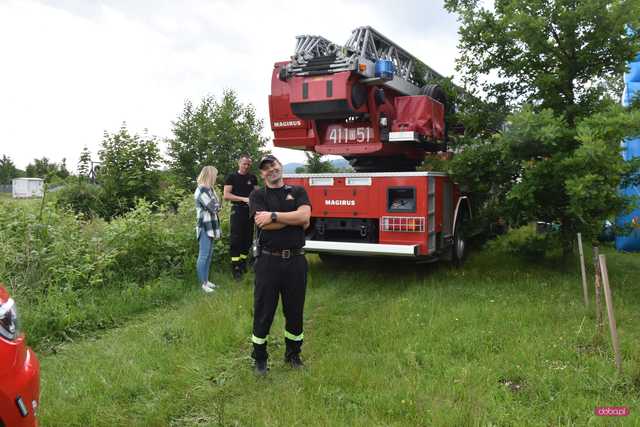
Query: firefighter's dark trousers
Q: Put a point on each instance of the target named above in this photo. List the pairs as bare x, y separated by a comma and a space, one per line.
276, 276
241, 236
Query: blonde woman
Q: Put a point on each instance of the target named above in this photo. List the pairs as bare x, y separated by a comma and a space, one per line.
208, 226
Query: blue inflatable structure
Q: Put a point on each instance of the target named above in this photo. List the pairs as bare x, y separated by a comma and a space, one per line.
630, 149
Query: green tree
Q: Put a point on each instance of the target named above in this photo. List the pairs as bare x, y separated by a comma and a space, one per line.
8, 170
129, 170
40, 168
47, 170
213, 133
84, 164
315, 164
553, 64
63, 172
557, 54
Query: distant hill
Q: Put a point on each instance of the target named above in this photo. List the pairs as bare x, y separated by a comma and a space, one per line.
337, 163
291, 167
340, 163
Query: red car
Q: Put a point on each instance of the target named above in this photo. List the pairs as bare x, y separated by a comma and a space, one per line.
19, 370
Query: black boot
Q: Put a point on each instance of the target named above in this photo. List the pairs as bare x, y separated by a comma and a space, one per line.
292, 353
260, 356
236, 271
294, 361
261, 368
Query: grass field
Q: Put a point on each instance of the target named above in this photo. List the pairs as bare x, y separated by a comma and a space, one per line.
498, 342
30, 201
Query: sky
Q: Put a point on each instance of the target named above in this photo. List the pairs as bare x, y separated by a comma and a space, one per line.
72, 69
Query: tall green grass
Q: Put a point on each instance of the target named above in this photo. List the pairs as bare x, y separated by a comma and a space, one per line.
498, 342
74, 277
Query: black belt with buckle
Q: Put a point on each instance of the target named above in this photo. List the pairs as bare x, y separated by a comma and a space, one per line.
283, 253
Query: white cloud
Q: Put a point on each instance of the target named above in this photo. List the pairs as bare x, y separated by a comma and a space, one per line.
72, 69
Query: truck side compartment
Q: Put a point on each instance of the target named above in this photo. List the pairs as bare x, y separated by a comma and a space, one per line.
389, 213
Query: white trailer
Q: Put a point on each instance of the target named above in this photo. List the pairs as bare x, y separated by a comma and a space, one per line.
27, 187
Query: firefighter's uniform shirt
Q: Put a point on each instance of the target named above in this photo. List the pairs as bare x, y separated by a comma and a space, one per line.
241, 185
277, 275
241, 234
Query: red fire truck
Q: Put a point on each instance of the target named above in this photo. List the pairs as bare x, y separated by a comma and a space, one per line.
376, 105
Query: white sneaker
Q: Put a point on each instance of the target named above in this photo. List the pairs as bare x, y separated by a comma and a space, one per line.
212, 285
206, 288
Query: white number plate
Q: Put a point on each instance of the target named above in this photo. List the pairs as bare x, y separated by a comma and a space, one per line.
342, 135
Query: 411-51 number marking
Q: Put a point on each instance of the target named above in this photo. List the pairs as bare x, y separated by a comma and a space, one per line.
340, 135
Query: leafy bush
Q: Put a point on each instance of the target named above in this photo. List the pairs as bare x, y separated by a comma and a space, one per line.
526, 242
64, 268
83, 198
170, 196
144, 245
40, 252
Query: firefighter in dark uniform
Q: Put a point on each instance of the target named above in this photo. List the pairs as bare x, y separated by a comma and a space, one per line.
237, 187
282, 213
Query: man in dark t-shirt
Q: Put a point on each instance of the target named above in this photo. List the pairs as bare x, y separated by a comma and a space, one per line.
282, 213
237, 187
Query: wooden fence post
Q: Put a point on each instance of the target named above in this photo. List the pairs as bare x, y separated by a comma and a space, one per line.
612, 320
582, 270
598, 291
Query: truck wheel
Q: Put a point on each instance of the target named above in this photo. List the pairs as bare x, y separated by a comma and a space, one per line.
459, 246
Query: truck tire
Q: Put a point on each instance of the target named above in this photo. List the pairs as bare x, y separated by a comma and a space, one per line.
459, 245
